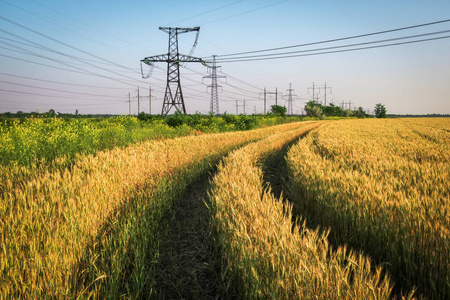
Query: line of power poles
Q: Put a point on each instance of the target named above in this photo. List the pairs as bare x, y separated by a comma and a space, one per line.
139, 97
237, 105
315, 96
265, 93
173, 97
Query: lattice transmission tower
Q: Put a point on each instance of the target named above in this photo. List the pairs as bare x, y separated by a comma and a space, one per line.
214, 106
173, 96
290, 109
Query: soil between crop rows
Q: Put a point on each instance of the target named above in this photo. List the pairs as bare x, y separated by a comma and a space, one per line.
189, 265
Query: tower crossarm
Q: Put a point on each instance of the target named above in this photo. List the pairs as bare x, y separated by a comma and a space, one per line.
179, 30
155, 58
165, 58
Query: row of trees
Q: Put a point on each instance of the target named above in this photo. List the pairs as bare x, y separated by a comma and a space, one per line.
312, 108
317, 110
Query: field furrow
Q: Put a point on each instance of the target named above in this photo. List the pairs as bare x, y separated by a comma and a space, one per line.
189, 265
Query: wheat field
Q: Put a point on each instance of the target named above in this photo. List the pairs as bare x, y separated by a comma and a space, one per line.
382, 186
92, 228
264, 256
363, 213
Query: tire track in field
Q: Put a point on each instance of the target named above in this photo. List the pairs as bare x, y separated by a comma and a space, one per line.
275, 171
275, 175
189, 267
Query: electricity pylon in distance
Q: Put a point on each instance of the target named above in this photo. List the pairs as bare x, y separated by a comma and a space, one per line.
173, 96
214, 106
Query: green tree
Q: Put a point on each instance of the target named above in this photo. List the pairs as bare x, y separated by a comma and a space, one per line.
279, 110
380, 111
360, 113
314, 109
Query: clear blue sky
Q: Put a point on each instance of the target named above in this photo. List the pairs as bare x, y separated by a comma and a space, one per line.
59, 54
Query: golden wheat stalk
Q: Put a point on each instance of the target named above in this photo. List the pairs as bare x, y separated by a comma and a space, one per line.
265, 257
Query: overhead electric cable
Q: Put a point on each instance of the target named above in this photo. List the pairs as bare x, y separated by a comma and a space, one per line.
336, 40
60, 42
204, 13
63, 54
241, 81
342, 46
337, 51
63, 83
69, 70
87, 25
37, 94
245, 12
136, 71
55, 90
62, 25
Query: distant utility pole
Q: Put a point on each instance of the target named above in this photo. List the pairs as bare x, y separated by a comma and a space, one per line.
138, 99
276, 96
325, 89
264, 93
150, 100
313, 93
290, 108
237, 106
173, 96
269, 93
214, 105
129, 103
348, 104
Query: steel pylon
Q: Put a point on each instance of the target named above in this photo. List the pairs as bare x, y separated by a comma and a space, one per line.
214, 105
173, 96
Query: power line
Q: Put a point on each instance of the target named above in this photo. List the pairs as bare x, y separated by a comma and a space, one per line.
87, 25
337, 51
338, 39
63, 83
60, 53
241, 81
62, 24
51, 50
204, 13
27, 52
245, 12
60, 42
240, 89
342, 46
37, 94
82, 71
54, 90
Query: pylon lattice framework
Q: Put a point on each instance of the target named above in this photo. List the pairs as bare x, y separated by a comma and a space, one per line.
290, 100
173, 96
214, 105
